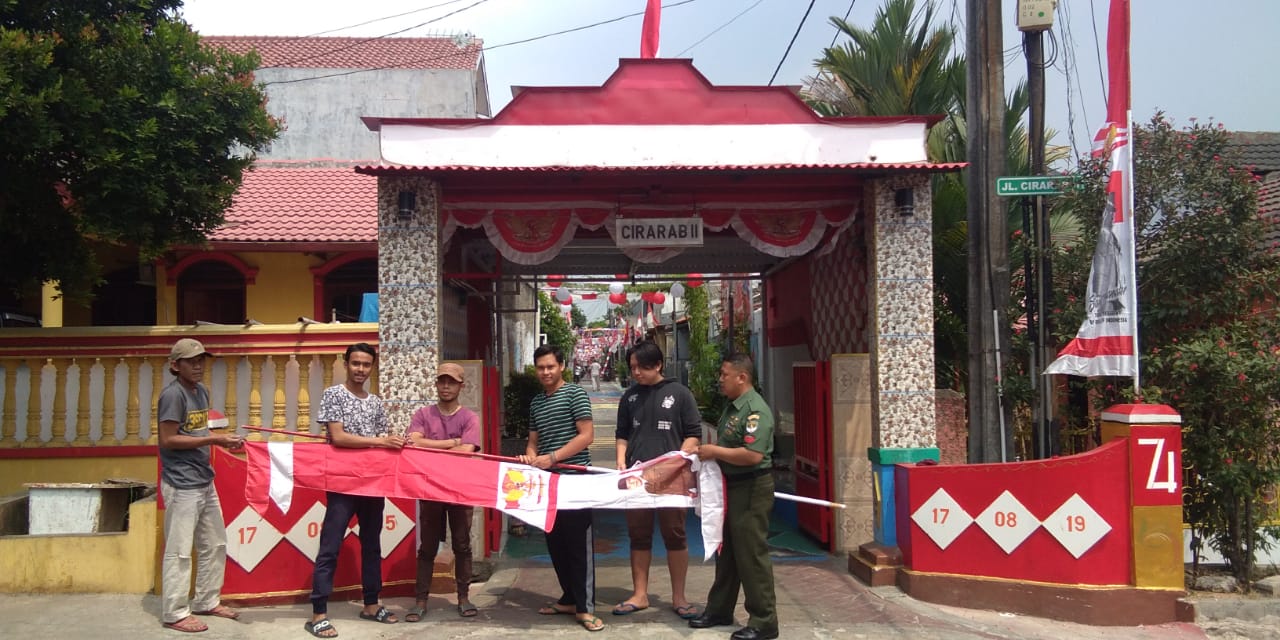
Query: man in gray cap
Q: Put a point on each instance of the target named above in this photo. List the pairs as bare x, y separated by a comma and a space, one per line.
193, 514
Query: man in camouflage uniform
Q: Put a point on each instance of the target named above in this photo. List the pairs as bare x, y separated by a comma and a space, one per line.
744, 448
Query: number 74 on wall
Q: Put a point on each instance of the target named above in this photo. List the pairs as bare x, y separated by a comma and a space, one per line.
1170, 483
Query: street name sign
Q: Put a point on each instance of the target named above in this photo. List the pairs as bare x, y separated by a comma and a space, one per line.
1030, 185
659, 232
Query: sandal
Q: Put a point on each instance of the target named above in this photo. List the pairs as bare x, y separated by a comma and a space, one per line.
321, 628
687, 612
553, 608
221, 611
189, 624
381, 615
415, 614
591, 624
467, 610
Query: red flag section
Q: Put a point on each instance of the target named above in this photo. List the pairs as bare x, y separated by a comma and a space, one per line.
649, 31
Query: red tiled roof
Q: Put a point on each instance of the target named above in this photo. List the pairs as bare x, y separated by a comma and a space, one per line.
277, 204
355, 53
375, 170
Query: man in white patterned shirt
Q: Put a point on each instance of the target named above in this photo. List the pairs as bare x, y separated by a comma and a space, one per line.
354, 419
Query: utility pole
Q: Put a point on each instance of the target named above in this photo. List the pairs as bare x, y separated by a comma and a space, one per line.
1033, 19
989, 428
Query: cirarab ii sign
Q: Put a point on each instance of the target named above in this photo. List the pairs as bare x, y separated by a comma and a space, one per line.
659, 232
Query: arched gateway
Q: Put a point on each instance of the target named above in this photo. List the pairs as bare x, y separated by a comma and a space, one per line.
832, 213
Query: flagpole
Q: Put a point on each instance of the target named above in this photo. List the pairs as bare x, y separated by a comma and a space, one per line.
302, 434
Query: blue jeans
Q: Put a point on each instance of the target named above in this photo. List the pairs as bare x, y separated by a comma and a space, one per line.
337, 515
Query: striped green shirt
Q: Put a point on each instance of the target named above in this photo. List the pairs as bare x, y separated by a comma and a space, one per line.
555, 417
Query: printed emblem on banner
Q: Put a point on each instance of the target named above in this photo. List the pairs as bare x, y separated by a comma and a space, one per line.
522, 489
668, 402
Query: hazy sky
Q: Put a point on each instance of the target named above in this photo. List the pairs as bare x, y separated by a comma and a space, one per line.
1190, 58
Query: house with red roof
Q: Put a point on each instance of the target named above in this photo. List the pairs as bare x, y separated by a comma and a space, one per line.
300, 239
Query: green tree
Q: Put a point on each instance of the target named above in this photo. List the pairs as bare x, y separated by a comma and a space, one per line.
1206, 293
704, 355
116, 126
579, 318
557, 329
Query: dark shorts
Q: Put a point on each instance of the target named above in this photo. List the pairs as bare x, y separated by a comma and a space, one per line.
670, 524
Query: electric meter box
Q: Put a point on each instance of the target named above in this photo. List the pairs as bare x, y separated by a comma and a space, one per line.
1035, 15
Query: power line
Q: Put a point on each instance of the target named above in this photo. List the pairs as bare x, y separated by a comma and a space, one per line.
1097, 49
846, 19
367, 22
357, 43
717, 29
482, 49
793, 41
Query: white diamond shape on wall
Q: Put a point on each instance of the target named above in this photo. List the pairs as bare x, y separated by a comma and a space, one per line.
250, 539
941, 518
395, 526
305, 535
1077, 526
1007, 522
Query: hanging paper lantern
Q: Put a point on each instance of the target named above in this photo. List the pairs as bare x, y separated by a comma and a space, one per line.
659, 297
677, 290
554, 280
695, 279
563, 295
616, 288
647, 296
618, 298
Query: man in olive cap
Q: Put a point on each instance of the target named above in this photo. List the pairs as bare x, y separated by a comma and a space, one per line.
192, 514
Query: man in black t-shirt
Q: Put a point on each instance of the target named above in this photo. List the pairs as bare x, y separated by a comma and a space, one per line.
655, 416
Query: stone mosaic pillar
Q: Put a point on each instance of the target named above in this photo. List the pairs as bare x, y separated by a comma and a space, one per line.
900, 263
408, 294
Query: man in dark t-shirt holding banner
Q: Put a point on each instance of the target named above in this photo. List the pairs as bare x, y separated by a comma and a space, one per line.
192, 513
655, 416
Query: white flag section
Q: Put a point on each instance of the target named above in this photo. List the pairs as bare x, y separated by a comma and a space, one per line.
280, 487
674, 479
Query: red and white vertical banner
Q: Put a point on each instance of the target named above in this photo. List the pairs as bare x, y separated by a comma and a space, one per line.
650, 29
1107, 342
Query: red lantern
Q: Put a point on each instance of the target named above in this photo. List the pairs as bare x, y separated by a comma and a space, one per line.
694, 280
659, 297
647, 296
618, 298
554, 281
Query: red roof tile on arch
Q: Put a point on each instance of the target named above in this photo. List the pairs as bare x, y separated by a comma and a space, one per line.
354, 53
287, 204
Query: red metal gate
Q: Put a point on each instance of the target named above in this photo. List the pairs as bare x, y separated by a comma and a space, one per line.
491, 394
811, 382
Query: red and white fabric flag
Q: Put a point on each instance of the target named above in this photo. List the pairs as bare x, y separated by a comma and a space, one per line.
1107, 342
527, 493
649, 30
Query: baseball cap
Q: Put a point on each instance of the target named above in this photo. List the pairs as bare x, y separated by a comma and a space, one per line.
186, 348
452, 370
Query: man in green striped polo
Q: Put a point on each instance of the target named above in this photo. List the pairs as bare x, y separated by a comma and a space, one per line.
560, 430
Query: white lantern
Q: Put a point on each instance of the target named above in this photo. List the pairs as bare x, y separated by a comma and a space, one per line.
616, 287
677, 290
563, 295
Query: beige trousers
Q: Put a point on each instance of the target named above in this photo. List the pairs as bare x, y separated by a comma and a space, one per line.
192, 519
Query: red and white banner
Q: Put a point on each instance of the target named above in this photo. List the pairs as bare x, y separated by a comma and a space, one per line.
527, 493
1106, 344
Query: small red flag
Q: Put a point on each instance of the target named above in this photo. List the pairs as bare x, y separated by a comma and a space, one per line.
649, 31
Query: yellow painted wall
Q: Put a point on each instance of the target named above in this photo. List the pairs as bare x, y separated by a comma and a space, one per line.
16, 471
97, 563
282, 290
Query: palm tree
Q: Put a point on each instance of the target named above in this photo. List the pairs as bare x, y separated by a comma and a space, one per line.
906, 64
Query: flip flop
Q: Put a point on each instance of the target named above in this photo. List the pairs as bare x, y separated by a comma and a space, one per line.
381, 615
221, 611
319, 628
552, 609
687, 612
626, 609
467, 610
189, 624
415, 614
591, 624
